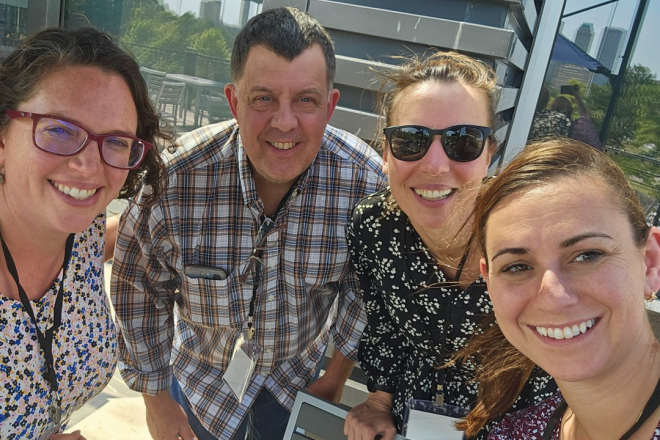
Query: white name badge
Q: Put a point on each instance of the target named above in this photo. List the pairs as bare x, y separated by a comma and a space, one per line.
241, 366
429, 426
426, 420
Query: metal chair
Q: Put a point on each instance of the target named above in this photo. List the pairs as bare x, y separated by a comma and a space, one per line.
172, 94
154, 80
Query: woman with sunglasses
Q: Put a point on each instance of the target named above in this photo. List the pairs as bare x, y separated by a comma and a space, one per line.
419, 275
76, 131
569, 261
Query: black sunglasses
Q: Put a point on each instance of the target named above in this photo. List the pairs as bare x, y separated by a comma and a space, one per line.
462, 143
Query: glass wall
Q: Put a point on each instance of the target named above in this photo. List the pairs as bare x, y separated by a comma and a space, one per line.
602, 87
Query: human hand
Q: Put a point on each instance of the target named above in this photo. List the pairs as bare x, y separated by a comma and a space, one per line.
366, 420
166, 419
75, 435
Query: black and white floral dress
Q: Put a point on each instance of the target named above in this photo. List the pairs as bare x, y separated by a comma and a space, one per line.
415, 319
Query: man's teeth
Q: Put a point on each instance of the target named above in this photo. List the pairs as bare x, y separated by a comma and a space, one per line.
76, 193
566, 332
283, 145
434, 194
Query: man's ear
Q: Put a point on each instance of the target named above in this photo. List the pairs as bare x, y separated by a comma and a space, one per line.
652, 261
333, 99
232, 98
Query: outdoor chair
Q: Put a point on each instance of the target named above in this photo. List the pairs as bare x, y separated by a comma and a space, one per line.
172, 94
154, 80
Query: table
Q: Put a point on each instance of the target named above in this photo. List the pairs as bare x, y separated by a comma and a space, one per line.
198, 84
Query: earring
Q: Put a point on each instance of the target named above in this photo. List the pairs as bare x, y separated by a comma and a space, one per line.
2, 178
651, 297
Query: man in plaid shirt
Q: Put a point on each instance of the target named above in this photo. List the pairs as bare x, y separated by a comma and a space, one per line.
250, 228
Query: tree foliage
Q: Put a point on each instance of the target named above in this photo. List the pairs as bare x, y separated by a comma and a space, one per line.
157, 37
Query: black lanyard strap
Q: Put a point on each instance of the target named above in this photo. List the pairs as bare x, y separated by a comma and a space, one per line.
45, 341
650, 407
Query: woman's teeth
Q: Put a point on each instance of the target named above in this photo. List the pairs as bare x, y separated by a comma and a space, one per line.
76, 193
566, 332
428, 194
283, 145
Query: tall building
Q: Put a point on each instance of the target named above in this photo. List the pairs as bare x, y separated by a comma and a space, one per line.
562, 73
210, 10
584, 36
609, 52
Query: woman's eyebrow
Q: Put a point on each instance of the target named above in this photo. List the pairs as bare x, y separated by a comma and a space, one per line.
511, 250
573, 240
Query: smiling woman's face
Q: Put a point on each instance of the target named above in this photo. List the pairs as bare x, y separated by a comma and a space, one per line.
566, 278
63, 194
432, 189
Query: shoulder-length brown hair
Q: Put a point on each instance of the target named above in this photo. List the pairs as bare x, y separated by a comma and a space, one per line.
55, 48
503, 369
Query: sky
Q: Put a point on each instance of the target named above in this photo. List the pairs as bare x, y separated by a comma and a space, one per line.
230, 12
618, 14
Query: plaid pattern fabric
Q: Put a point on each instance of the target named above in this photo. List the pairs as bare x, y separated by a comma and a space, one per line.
210, 215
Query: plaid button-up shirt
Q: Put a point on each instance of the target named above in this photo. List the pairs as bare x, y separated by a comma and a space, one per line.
210, 215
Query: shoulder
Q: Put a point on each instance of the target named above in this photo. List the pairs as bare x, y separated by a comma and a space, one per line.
372, 206
528, 423
352, 152
202, 147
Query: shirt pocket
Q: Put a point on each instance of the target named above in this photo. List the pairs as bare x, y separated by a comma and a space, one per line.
213, 303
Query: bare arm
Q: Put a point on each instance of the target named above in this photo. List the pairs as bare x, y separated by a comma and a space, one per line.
111, 224
330, 386
166, 419
582, 109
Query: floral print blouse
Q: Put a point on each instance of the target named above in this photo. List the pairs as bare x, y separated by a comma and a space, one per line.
530, 423
415, 319
84, 346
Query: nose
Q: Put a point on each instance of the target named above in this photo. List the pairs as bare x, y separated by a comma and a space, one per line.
284, 118
88, 160
555, 291
435, 161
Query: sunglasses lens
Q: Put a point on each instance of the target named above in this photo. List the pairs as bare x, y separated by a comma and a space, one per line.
409, 143
463, 144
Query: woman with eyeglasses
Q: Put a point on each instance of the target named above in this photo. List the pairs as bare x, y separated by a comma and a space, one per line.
419, 273
76, 131
570, 262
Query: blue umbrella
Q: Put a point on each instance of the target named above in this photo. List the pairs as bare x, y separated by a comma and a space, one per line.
566, 51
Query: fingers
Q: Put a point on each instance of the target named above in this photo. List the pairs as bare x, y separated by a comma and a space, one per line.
186, 433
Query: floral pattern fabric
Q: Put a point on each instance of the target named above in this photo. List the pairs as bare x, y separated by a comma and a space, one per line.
530, 423
415, 319
549, 123
84, 347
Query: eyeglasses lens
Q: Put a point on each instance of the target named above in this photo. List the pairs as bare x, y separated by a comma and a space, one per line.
409, 143
62, 137
461, 144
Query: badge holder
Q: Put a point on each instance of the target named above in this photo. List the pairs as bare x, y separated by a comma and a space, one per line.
57, 421
425, 420
241, 365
